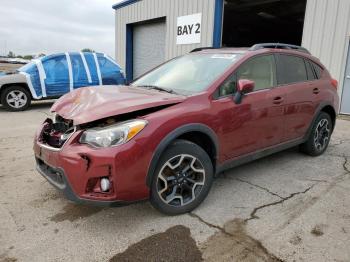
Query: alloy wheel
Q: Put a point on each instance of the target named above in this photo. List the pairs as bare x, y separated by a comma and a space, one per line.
16, 99
322, 134
180, 180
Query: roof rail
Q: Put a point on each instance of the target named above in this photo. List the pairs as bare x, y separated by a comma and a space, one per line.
279, 46
201, 48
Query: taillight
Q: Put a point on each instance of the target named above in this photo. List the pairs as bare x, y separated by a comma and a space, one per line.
334, 83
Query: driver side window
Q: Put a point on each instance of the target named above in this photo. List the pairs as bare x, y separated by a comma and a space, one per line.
229, 87
260, 69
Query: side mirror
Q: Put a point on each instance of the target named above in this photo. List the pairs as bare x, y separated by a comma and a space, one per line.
245, 86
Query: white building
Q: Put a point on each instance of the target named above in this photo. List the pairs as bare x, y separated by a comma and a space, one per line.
149, 32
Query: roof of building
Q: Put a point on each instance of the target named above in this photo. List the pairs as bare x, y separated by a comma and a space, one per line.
124, 3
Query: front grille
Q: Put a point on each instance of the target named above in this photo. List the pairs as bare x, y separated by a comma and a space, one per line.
54, 175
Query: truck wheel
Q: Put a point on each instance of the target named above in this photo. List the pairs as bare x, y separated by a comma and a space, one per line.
320, 136
182, 179
15, 98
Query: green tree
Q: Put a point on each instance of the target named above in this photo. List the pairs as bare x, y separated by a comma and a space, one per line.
87, 50
41, 55
28, 57
11, 54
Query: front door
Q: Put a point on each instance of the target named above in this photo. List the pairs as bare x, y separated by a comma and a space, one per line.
57, 81
345, 102
258, 122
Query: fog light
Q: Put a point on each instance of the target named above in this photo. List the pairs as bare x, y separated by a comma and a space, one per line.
105, 184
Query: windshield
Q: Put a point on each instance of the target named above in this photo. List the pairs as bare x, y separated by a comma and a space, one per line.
189, 74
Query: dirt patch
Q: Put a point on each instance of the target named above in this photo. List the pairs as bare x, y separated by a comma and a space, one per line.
8, 259
9, 67
234, 244
295, 240
317, 231
5, 258
175, 244
73, 212
46, 197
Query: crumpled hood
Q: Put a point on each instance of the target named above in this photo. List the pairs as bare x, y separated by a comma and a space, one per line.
89, 104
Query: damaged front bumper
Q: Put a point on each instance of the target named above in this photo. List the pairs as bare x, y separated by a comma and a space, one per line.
77, 169
57, 178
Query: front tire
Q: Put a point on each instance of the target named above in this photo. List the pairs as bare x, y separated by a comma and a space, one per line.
182, 179
15, 98
320, 136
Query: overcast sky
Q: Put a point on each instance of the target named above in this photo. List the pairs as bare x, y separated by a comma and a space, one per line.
49, 26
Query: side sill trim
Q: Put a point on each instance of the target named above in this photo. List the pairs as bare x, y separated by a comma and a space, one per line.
257, 155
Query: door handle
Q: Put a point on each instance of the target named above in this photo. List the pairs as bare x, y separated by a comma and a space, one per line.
278, 100
316, 91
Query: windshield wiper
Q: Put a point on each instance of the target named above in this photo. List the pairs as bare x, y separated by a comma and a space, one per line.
168, 90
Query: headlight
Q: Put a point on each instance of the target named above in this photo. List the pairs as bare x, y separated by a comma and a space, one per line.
112, 135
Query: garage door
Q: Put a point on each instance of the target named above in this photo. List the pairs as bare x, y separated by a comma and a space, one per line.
149, 46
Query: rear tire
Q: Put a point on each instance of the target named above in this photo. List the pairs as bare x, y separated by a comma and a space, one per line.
15, 98
182, 179
320, 136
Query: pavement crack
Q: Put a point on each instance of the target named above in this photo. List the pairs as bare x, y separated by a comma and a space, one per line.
315, 180
260, 187
346, 169
253, 214
246, 243
208, 224
338, 143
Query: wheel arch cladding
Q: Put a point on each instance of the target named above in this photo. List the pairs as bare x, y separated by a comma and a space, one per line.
331, 112
323, 107
199, 134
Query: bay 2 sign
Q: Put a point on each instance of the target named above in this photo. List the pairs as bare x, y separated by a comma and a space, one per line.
189, 29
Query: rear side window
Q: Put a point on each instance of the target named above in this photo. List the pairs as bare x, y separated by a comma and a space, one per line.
310, 71
318, 70
293, 69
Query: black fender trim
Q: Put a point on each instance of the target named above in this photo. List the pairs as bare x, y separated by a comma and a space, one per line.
321, 106
172, 136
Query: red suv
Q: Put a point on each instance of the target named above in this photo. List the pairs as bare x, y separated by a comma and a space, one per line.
166, 135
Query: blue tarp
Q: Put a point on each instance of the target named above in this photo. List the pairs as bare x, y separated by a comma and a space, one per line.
57, 74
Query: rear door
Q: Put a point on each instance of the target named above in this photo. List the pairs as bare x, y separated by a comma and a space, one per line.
297, 79
257, 122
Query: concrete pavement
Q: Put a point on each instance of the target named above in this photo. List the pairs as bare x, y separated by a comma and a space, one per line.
286, 207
